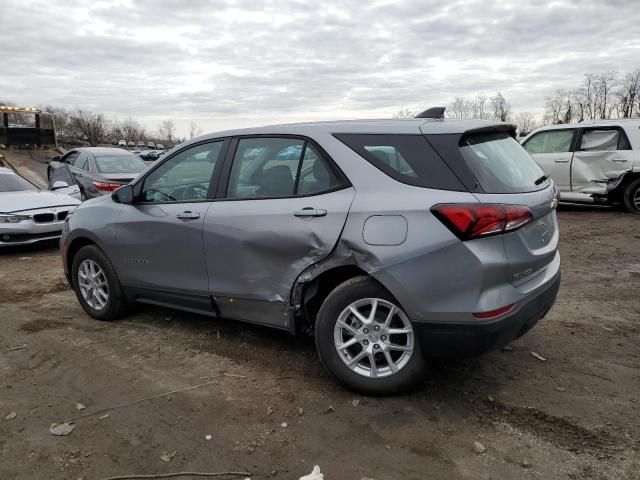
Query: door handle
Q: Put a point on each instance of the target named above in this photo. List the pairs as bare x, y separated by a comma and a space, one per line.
619, 160
310, 212
561, 160
188, 215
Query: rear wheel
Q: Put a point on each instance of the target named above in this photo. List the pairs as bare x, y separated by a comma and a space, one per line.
632, 196
96, 285
366, 341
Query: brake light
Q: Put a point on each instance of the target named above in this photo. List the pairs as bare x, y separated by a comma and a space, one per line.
494, 313
106, 187
476, 220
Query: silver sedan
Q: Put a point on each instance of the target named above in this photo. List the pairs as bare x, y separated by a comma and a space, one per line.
28, 214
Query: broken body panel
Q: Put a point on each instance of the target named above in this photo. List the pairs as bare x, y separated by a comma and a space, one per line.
588, 161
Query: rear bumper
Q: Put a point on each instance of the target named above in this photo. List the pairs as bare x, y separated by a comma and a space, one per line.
451, 340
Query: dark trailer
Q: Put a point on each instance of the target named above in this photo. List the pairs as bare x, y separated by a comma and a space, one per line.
26, 126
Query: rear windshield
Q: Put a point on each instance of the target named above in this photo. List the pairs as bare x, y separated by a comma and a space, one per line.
500, 164
406, 158
120, 164
10, 182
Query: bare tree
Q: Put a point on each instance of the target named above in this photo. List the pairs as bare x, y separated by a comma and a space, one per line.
405, 113
129, 130
194, 130
469, 107
61, 119
559, 108
90, 125
501, 108
526, 122
167, 130
629, 94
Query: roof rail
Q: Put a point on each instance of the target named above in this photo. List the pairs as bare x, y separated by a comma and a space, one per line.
608, 120
433, 112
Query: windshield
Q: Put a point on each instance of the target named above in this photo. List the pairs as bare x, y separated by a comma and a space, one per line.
500, 164
120, 164
11, 182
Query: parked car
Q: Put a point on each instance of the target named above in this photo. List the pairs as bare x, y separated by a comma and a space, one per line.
591, 161
389, 241
159, 146
28, 214
122, 143
151, 145
96, 170
131, 144
140, 144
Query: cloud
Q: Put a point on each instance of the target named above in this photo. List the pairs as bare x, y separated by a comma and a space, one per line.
228, 63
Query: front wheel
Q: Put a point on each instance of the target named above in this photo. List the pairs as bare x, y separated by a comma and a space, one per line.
366, 341
632, 196
96, 285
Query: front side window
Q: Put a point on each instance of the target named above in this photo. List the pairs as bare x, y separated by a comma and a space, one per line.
82, 161
604, 140
269, 167
551, 141
70, 158
500, 164
184, 177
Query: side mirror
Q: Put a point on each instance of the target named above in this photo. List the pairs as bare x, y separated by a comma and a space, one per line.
58, 184
123, 194
55, 159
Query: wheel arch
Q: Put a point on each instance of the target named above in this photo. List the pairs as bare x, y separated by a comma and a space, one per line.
314, 285
616, 194
74, 247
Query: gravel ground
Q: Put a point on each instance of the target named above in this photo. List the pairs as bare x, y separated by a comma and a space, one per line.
268, 408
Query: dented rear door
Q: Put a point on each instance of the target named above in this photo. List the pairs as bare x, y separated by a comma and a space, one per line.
282, 210
603, 153
255, 250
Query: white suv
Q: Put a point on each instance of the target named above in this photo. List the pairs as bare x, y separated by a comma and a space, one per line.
591, 161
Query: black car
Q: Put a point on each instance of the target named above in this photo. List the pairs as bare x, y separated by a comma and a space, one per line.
96, 170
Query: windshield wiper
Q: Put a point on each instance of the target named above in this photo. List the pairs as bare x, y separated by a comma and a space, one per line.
541, 179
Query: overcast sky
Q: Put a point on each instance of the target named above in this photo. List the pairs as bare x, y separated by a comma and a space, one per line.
227, 64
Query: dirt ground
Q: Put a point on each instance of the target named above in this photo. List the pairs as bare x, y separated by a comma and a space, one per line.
268, 408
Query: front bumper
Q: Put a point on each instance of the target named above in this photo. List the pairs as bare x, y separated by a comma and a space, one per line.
463, 340
28, 232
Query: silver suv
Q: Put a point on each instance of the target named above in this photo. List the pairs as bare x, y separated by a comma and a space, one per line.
390, 241
591, 161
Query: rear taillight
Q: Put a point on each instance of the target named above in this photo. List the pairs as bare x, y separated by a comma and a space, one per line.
476, 220
106, 187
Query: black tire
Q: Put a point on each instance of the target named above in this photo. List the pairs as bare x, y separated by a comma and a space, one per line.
630, 193
116, 302
83, 196
336, 302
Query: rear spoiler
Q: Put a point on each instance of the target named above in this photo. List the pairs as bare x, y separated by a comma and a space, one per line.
498, 127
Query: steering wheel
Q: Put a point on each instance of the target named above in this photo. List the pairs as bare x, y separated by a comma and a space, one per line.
194, 192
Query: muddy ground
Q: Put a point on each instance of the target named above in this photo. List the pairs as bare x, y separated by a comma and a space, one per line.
575, 415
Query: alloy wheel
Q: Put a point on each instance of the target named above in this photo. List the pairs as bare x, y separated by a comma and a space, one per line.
93, 284
374, 338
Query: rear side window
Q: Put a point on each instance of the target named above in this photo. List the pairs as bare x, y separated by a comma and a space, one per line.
609, 139
500, 164
278, 167
406, 158
551, 141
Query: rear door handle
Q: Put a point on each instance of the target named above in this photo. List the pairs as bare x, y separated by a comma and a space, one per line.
310, 212
188, 215
561, 160
619, 160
